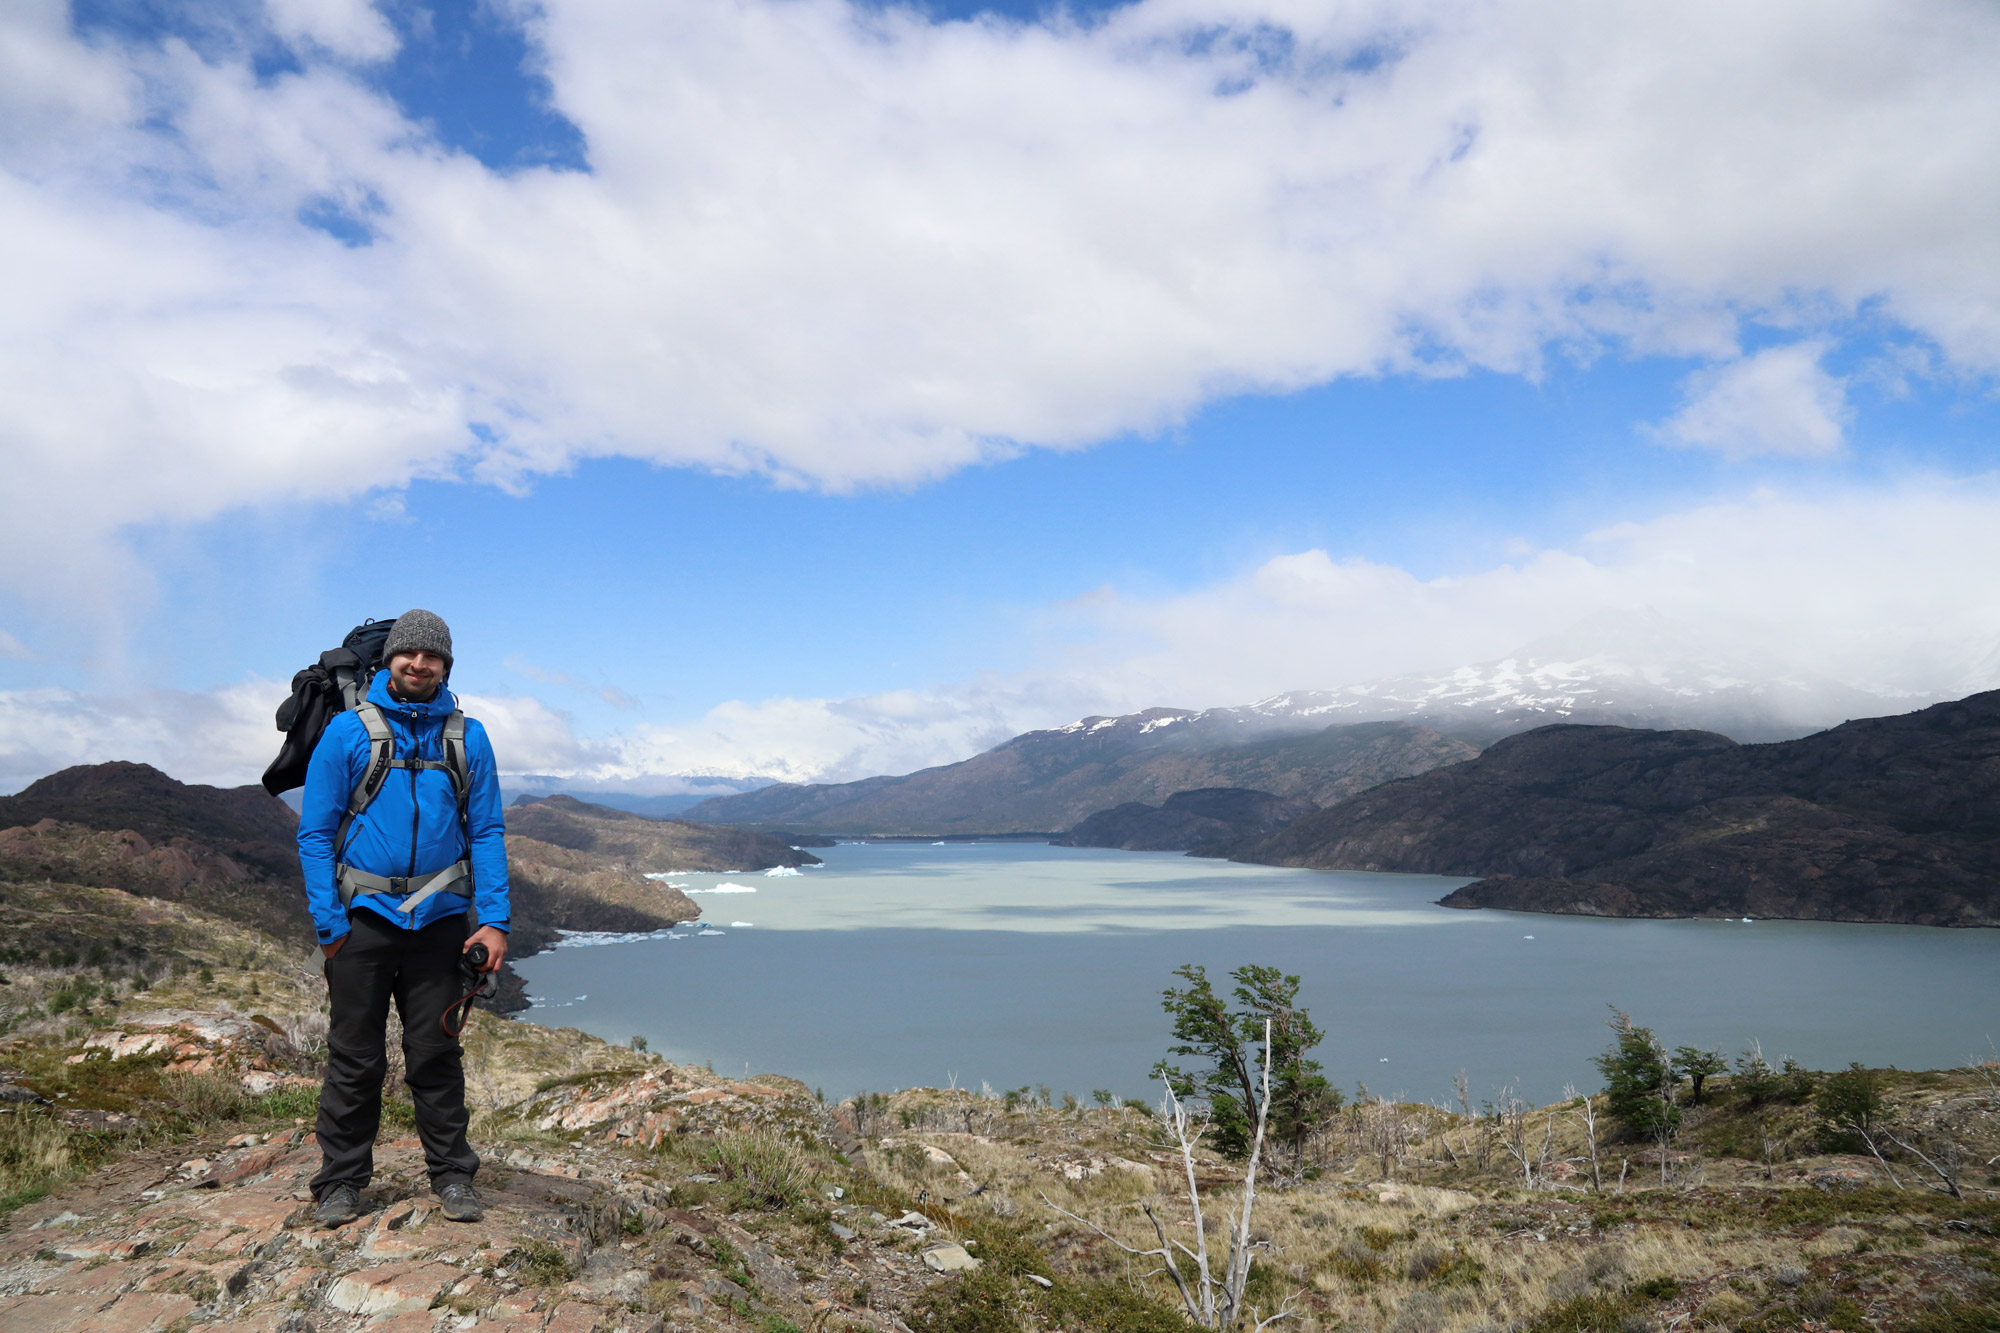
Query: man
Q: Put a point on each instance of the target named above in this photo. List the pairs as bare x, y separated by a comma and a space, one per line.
389, 889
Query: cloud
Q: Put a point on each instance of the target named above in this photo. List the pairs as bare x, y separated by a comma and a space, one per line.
845, 246
12, 647
1778, 401
1885, 594
226, 736
349, 29
1882, 593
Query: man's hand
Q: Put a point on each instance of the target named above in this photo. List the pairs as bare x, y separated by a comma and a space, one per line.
331, 949
496, 945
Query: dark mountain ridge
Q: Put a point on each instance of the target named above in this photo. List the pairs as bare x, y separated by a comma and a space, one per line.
1882, 819
1187, 820
1057, 778
248, 823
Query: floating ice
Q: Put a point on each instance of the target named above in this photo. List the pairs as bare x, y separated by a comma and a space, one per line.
741, 925
937, 844
779, 872
1527, 937
710, 930
584, 939
728, 888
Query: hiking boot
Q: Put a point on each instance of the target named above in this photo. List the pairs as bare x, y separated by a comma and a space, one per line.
340, 1204
459, 1202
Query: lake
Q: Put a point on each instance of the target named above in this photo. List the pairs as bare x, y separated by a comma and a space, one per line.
1015, 964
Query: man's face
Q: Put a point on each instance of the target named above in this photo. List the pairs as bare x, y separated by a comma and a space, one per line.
415, 676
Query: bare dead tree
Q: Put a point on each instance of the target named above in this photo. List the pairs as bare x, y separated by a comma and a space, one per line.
1516, 1138
1585, 1113
1214, 1302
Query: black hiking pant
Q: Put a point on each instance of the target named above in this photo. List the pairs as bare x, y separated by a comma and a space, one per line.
419, 970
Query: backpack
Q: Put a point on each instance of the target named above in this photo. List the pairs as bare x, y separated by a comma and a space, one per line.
338, 683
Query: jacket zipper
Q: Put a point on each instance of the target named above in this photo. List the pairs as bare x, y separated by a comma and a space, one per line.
416, 811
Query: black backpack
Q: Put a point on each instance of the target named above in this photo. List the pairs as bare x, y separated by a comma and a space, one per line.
334, 684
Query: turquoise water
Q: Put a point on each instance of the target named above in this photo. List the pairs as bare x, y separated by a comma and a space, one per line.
1014, 964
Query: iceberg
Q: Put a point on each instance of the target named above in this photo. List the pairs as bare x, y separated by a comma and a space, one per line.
584, 939
778, 872
728, 888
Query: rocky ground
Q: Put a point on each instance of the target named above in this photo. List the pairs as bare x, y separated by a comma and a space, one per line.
642, 1196
627, 1193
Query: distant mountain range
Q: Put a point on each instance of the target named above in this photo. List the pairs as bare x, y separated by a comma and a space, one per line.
655, 797
1322, 746
1883, 819
1049, 781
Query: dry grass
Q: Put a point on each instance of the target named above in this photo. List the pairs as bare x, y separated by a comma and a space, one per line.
1462, 1250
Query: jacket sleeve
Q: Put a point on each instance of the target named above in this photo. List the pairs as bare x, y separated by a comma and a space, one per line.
330, 779
486, 829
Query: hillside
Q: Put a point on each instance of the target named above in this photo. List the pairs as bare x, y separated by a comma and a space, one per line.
1052, 780
229, 856
1884, 819
1187, 820
647, 845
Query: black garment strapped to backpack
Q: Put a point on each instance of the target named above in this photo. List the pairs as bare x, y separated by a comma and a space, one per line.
334, 684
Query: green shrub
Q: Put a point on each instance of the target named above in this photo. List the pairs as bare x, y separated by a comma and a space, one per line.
204, 1099
1595, 1313
538, 1264
759, 1169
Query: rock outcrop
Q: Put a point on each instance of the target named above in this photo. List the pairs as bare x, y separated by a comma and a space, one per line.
1885, 819
1186, 820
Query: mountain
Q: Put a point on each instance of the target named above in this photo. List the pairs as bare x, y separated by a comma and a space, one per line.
1883, 819
246, 823
1052, 780
226, 851
657, 796
1630, 669
1187, 820
1641, 684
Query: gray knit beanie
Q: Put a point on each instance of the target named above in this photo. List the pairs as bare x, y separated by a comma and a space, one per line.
417, 631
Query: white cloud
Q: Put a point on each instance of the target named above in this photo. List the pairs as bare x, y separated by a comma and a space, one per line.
1886, 594
350, 29
845, 246
223, 737
1778, 401
226, 736
12, 647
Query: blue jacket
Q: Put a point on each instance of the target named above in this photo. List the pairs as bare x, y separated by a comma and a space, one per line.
411, 827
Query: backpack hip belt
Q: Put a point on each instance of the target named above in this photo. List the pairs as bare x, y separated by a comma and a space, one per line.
351, 882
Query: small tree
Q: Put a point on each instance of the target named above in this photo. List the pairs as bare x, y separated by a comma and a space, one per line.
1850, 1108
1639, 1080
1204, 1027
1697, 1067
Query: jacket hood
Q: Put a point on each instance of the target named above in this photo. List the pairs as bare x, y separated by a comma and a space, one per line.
438, 705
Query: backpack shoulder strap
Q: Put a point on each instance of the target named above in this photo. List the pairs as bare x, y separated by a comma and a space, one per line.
381, 751
459, 766
454, 755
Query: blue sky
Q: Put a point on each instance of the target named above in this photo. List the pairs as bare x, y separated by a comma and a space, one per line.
681, 385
